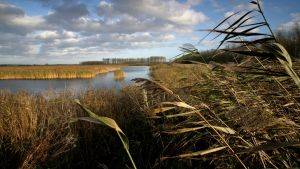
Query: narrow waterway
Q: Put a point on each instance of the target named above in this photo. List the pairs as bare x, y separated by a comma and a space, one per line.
101, 81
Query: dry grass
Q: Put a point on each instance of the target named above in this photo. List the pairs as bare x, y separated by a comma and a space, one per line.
54, 72
119, 75
264, 117
38, 132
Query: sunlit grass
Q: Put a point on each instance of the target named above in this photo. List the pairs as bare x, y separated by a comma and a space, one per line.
119, 75
54, 72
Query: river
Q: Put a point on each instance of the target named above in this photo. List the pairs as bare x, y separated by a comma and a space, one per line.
101, 81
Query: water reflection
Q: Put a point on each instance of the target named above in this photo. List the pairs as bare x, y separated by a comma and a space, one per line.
119, 75
103, 81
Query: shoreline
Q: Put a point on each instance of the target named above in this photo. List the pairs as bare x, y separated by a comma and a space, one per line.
55, 72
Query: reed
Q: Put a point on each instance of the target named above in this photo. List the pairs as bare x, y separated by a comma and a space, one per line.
36, 131
213, 110
54, 72
187, 116
216, 116
119, 75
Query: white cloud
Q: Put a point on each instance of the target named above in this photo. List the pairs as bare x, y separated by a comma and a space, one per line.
69, 29
146, 15
167, 37
47, 35
292, 23
209, 43
28, 21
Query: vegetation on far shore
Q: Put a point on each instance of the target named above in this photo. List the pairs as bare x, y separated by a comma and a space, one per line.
119, 75
55, 72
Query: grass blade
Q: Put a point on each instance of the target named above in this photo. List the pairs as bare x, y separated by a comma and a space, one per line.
197, 153
105, 121
223, 129
179, 104
183, 130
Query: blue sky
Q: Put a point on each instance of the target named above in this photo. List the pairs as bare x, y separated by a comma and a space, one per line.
70, 31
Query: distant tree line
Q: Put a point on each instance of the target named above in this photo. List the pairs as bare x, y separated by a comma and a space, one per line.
92, 63
290, 39
135, 61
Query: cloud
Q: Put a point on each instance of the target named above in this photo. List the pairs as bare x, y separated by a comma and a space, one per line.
292, 23
47, 35
72, 29
128, 16
169, 11
67, 15
209, 43
14, 45
14, 20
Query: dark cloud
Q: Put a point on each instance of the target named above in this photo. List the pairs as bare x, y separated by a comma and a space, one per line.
14, 20
7, 10
67, 14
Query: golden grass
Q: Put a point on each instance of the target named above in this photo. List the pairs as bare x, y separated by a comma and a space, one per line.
36, 131
119, 75
261, 117
54, 72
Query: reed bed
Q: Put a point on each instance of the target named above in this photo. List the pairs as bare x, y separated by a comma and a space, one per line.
119, 75
215, 118
187, 116
41, 132
54, 72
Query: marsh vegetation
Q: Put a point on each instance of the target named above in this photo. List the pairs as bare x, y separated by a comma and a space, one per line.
54, 72
243, 114
119, 75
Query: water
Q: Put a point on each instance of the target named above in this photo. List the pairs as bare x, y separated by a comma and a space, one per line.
101, 81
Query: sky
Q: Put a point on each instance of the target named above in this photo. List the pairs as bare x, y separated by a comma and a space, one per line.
71, 31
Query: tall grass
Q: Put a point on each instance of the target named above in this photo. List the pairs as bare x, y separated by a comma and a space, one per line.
212, 113
54, 72
108, 122
119, 75
222, 119
245, 41
187, 116
36, 132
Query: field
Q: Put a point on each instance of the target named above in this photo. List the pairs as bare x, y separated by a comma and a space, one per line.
54, 72
225, 120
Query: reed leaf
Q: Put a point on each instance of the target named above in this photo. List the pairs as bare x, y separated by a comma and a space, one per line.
155, 87
197, 153
223, 129
162, 109
177, 115
257, 41
183, 130
223, 21
108, 122
179, 104
242, 33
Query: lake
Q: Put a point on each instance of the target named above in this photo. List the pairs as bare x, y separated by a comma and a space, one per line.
101, 81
